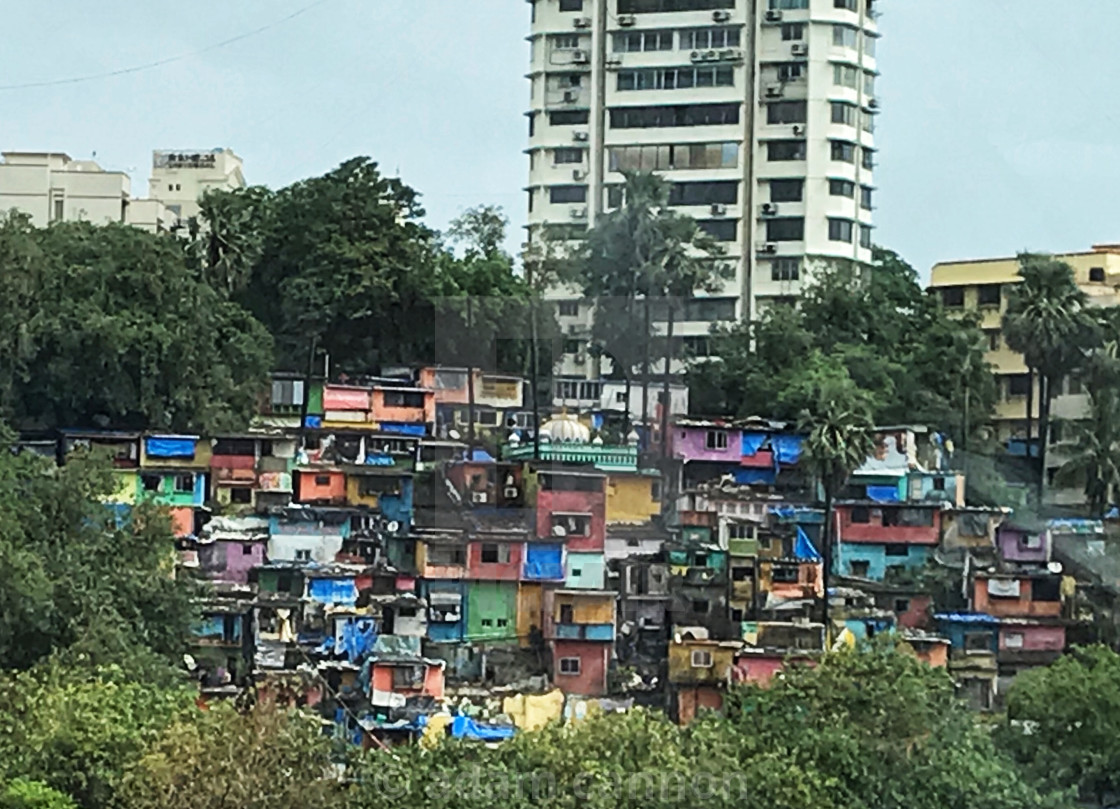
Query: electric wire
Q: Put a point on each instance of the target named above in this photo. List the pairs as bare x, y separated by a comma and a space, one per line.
167, 61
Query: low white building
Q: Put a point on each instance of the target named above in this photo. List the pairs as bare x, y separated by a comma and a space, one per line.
52, 187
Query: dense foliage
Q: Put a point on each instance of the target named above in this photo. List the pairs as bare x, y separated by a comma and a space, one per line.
343, 265
1064, 723
877, 329
867, 729
110, 325
72, 573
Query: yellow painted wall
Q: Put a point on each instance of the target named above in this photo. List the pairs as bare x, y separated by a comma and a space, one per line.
125, 486
971, 274
354, 496
586, 609
530, 613
681, 669
630, 498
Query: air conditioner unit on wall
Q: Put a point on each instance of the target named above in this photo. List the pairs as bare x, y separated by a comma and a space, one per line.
582, 22
581, 57
773, 91
769, 209
766, 248
773, 15
721, 15
580, 136
799, 49
627, 20
579, 213
798, 130
718, 209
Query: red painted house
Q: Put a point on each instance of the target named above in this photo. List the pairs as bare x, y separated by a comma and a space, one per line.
579, 627
494, 560
573, 506
893, 523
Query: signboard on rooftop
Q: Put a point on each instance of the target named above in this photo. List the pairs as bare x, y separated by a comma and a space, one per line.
184, 160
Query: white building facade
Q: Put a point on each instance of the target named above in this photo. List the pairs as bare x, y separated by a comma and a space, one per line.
180, 177
759, 112
52, 187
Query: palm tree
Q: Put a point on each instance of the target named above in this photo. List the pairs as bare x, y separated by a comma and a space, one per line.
1094, 447
644, 250
1047, 321
838, 440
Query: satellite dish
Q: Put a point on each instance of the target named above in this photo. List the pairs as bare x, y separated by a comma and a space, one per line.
453, 435
393, 526
1054, 567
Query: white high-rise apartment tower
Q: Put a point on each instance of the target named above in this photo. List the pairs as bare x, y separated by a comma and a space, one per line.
759, 112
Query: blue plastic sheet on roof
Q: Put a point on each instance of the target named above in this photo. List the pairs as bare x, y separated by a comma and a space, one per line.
313, 422
752, 443
883, 494
787, 448
966, 618
333, 591
749, 476
403, 428
379, 459
544, 561
804, 548
481, 455
168, 447
463, 727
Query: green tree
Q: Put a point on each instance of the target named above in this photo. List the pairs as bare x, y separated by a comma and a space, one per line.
21, 793
885, 729
72, 572
875, 323
223, 758
1063, 723
838, 440
1047, 321
78, 728
226, 238
111, 326
346, 265
1092, 451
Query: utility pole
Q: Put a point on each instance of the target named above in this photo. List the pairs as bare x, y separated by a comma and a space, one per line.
470, 381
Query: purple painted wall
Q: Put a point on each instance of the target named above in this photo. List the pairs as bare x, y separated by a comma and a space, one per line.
1033, 638
691, 444
230, 561
1016, 545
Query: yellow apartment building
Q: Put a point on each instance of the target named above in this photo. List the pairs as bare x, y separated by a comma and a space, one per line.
981, 286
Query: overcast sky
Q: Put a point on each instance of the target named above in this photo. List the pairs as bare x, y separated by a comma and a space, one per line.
998, 132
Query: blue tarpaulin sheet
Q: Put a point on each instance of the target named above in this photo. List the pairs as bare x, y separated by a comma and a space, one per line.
748, 476
544, 561
403, 428
966, 618
463, 727
358, 637
313, 422
481, 455
333, 591
752, 442
169, 447
804, 548
787, 448
883, 494
379, 459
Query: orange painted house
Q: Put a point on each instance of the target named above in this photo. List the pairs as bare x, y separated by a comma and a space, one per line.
405, 405
1018, 596
320, 486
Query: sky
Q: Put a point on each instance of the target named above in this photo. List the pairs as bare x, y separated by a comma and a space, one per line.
998, 130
